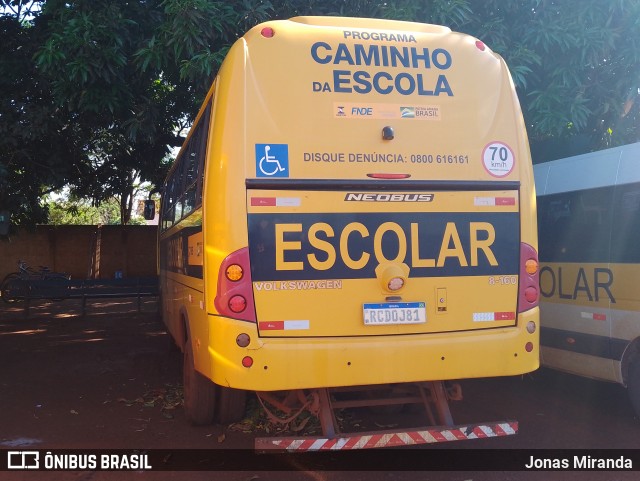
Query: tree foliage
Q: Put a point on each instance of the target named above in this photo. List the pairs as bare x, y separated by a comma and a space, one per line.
94, 92
577, 67
39, 142
74, 211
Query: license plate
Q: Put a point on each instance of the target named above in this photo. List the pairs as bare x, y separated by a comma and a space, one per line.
392, 313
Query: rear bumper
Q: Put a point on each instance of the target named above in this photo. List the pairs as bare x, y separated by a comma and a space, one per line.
301, 363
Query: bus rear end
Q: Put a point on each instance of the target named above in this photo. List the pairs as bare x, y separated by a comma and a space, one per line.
390, 229
386, 228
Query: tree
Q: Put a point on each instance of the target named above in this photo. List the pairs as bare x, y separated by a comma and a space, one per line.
137, 73
68, 211
88, 58
575, 63
40, 144
120, 78
577, 67
20, 9
92, 92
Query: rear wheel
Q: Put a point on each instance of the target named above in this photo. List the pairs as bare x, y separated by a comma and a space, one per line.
6, 288
170, 343
199, 392
633, 384
231, 405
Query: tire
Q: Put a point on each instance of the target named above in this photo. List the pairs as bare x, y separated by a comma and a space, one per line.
231, 405
170, 343
633, 384
199, 392
5, 288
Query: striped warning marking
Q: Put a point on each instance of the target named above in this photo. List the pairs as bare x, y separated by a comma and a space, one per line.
596, 316
276, 202
389, 439
284, 325
493, 316
494, 201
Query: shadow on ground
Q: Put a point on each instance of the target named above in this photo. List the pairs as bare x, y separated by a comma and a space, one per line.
107, 379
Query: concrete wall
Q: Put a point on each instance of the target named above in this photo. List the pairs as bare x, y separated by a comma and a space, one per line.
84, 251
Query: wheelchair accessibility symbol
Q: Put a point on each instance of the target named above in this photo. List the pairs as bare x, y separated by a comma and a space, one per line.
272, 160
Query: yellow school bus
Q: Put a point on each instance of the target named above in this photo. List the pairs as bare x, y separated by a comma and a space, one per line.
589, 218
354, 206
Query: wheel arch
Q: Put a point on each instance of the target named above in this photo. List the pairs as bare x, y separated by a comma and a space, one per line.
631, 355
183, 333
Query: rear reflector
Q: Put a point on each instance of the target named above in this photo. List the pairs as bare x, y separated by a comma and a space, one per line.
243, 340
247, 361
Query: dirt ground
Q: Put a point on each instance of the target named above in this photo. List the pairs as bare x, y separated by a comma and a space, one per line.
114, 358
109, 380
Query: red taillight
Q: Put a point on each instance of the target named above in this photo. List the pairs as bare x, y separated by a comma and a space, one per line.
234, 297
529, 294
237, 304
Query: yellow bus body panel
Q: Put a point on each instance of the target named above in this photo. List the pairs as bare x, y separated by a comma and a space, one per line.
590, 307
281, 364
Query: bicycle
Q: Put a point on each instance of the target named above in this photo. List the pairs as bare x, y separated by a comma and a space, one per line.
16, 284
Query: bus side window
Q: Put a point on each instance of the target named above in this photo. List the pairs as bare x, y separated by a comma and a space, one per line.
593, 233
183, 191
168, 204
552, 215
626, 224
576, 226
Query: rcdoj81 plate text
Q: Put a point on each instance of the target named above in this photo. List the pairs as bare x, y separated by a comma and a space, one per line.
393, 313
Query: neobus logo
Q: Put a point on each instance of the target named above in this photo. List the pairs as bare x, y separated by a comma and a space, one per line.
363, 197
